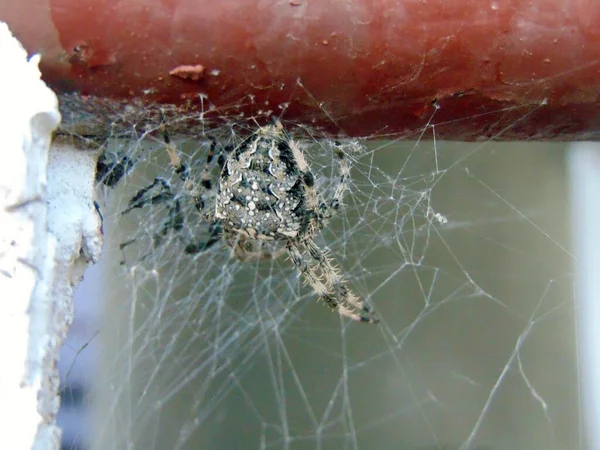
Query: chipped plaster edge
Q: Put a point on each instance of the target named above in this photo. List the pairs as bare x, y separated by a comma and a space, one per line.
49, 232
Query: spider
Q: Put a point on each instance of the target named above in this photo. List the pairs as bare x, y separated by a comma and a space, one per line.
266, 192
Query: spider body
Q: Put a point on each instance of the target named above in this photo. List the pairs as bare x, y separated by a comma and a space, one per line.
265, 193
264, 189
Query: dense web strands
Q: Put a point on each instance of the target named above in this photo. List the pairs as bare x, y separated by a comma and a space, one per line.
212, 337
264, 193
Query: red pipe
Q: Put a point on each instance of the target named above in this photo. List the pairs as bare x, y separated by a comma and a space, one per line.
525, 69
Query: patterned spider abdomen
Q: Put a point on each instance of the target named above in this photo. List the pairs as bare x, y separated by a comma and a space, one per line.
262, 187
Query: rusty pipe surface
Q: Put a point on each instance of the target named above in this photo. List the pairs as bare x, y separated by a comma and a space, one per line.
478, 69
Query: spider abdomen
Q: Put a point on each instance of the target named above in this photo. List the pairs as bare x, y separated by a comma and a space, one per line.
262, 190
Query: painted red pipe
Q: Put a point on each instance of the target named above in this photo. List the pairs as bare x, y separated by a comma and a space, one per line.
520, 69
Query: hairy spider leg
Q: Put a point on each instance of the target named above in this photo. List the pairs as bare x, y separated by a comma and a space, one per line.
215, 234
175, 220
323, 277
139, 200
243, 248
165, 195
216, 228
347, 301
328, 210
343, 301
182, 170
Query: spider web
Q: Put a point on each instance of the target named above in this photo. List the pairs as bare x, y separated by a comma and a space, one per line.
460, 249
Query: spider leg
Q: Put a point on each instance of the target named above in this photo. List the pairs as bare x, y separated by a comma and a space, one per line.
243, 248
244, 255
328, 210
329, 285
140, 199
216, 232
183, 171
331, 274
173, 205
174, 222
165, 195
